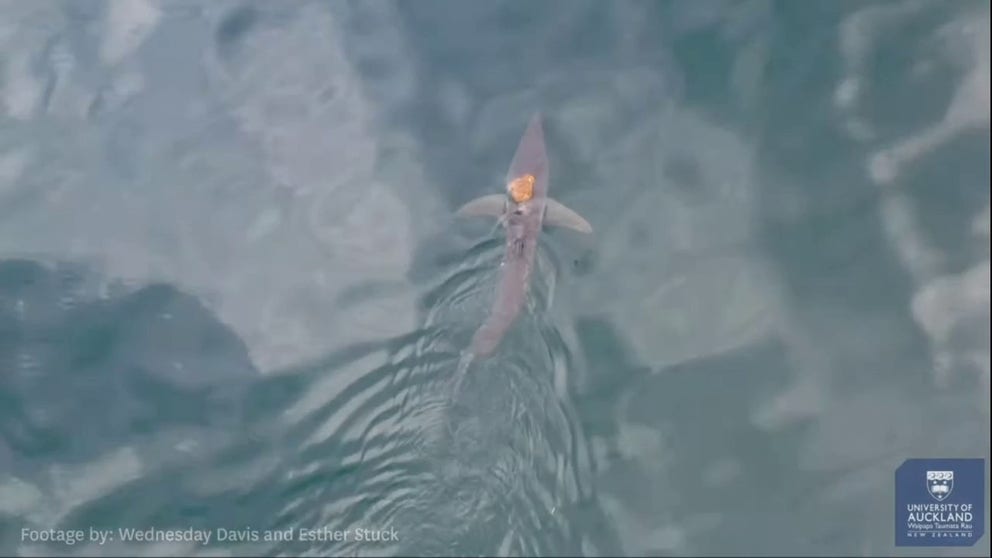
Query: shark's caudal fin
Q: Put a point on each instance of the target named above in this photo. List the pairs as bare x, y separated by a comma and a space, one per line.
464, 362
555, 213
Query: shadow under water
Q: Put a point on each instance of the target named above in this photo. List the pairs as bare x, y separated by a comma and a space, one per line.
111, 402
364, 443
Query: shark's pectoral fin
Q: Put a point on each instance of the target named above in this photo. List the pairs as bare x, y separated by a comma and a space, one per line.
556, 214
493, 205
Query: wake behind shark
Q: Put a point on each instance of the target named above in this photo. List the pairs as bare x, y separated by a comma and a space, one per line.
522, 211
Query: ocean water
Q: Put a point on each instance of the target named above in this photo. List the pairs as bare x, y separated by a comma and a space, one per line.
233, 292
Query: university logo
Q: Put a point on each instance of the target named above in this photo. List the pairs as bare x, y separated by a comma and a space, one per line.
940, 484
940, 501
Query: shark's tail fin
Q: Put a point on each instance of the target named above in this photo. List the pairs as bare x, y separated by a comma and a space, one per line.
464, 362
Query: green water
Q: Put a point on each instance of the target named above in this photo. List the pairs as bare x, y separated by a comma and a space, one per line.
233, 294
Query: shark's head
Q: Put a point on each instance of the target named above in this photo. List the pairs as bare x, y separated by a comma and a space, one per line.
527, 187
527, 177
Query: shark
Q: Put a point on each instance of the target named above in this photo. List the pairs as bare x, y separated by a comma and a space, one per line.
522, 210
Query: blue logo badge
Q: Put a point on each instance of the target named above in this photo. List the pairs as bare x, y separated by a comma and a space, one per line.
940, 502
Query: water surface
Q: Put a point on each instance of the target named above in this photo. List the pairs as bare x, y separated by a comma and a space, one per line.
233, 295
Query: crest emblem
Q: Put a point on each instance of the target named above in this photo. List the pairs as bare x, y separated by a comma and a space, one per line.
940, 484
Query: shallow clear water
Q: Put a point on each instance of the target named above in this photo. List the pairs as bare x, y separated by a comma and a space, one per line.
233, 293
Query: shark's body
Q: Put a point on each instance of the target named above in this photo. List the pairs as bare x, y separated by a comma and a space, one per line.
522, 211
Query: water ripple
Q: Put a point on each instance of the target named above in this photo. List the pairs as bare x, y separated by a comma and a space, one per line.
373, 440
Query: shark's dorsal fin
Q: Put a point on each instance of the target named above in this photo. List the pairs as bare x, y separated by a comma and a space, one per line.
556, 214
